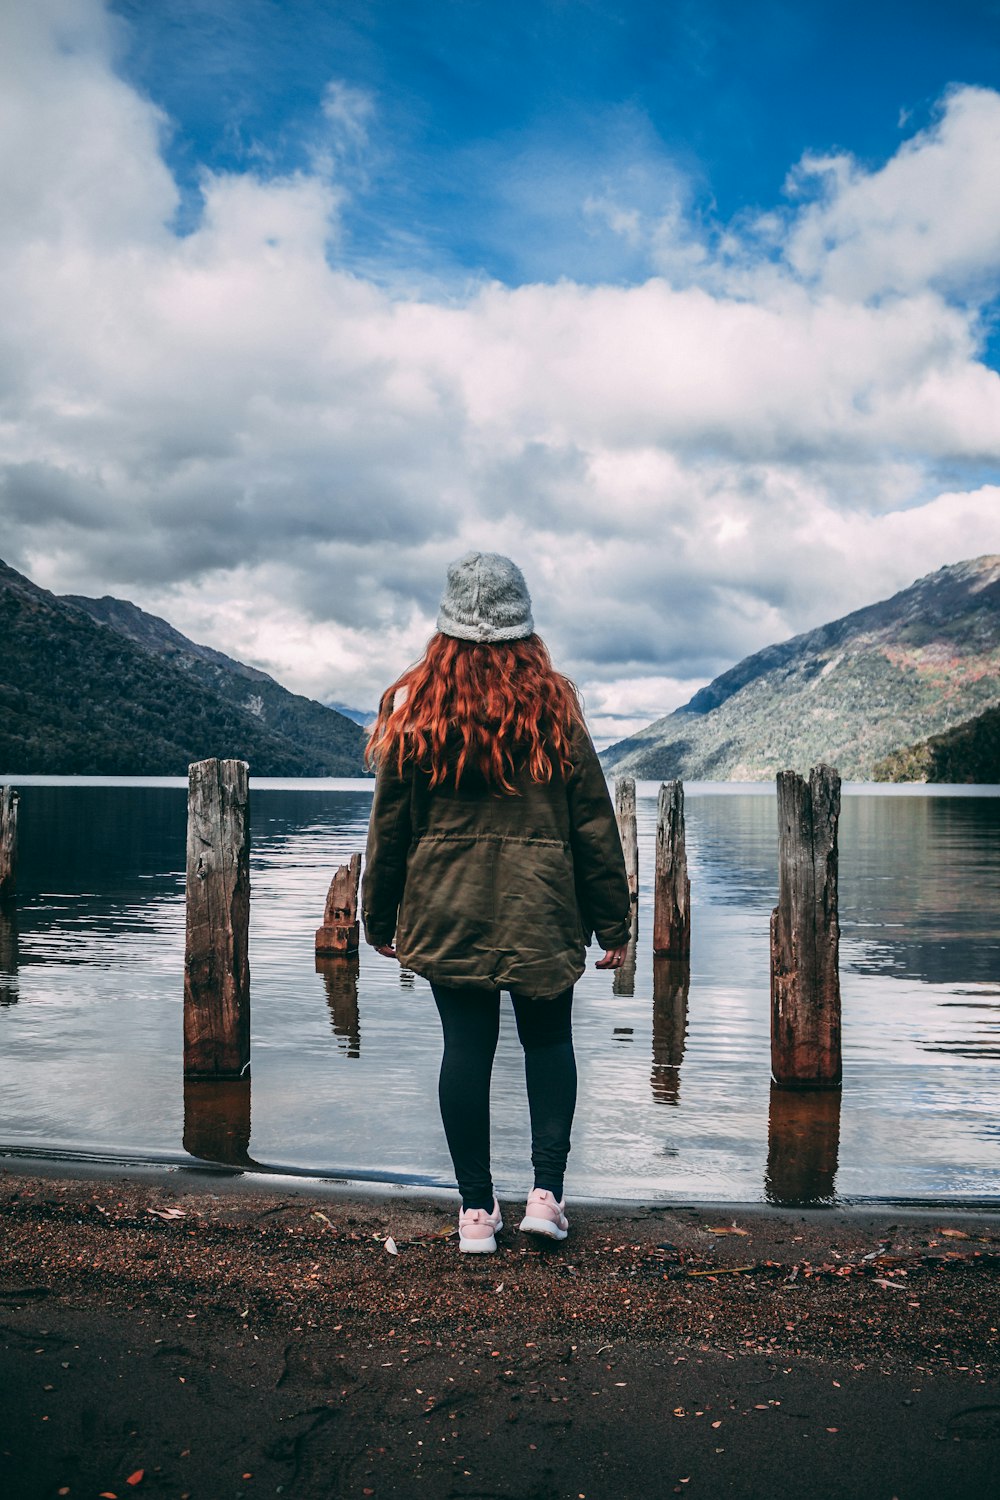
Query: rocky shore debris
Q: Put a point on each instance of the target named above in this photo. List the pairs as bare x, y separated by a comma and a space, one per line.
755, 1282
238, 1342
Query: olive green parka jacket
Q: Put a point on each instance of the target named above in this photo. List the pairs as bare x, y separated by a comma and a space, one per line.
486, 889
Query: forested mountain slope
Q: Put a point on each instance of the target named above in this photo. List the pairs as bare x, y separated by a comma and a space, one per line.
849, 693
80, 697
320, 733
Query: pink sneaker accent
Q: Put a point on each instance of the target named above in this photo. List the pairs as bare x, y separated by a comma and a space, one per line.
477, 1230
543, 1215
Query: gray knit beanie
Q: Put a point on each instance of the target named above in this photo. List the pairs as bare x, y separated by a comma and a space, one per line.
486, 599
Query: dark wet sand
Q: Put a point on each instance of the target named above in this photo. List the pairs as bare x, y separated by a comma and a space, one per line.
263, 1341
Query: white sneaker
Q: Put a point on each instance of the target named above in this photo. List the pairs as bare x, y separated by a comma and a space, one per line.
543, 1215
477, 1230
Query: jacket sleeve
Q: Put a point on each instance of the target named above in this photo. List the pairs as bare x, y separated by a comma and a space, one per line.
385, 857
599, 864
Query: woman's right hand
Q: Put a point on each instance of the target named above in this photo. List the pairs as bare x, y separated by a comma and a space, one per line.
613, 958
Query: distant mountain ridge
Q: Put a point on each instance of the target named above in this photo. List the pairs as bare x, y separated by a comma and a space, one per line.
99, 687
851, 692
364, 716
317, 732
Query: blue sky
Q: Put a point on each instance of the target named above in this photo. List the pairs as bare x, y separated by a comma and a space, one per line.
488, 120
690, 309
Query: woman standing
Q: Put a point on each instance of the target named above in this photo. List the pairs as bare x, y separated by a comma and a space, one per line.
493, 855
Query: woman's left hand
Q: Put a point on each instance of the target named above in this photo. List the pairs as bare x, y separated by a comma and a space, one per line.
613, 958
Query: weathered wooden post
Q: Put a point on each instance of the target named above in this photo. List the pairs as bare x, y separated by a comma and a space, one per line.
625, 814
9, 953
671, 981
216, 964
805, 934
8, 910
339, 932
624, 980
8, 842
671, 886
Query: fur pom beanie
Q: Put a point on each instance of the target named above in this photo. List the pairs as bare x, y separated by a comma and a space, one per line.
485, 599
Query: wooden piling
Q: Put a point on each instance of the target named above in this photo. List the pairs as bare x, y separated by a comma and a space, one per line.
340, 932
216, 965
8, 909
671, 886
9, 953
625, 814
8, 842
624, 980
805, 934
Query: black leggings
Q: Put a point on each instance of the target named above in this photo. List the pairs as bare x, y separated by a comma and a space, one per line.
471, 1022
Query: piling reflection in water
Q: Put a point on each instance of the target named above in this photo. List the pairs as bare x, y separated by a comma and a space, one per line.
671, 982
9, 955
340, 980
217, 1120
803, 1143
624, 980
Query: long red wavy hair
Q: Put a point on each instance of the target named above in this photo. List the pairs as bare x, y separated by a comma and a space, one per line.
501, 704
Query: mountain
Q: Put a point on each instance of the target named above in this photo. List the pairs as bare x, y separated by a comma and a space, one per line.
98, 687
849, 693
969, 752
364, 716
327, 738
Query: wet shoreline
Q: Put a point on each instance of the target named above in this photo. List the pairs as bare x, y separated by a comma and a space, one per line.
180, 1171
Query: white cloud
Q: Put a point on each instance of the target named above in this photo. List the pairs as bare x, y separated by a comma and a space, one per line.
281, 456
929, 217
80, 162
617, 709
624, 221
349, 111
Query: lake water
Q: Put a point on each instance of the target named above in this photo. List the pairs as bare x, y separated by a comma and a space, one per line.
676, 1102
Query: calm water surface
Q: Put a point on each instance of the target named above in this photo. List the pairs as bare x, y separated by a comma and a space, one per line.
675, 1093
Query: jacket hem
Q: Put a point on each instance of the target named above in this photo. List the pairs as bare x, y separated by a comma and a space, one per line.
460, 978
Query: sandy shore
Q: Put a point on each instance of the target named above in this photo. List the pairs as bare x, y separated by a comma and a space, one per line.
228, 1337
